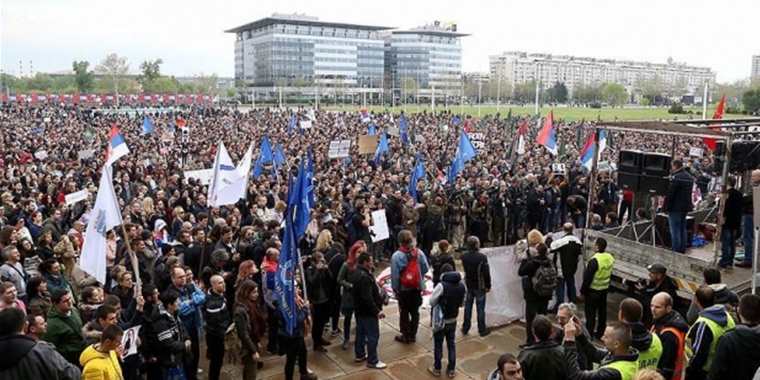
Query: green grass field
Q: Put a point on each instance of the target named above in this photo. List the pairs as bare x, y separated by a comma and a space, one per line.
560, 112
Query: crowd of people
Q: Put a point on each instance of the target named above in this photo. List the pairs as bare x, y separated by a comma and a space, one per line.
205, 276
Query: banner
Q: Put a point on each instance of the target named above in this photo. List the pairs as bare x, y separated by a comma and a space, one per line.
203, 175
75, 197
339, 149
367, 144
379, 228
85, 154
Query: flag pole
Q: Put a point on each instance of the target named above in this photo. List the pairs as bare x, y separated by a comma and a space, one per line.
704, 102
592, 183
133, 260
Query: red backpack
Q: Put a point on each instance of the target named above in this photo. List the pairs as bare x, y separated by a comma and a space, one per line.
410, 276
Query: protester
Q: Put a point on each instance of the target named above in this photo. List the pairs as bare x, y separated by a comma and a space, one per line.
477, 275
292, 344
537, 294
101, 360
319, 291
723, 296
26, 358
736, 355
678, 203
507, 368
703, 336
36, 327
621, 362
250, 326
13, 271
217, 316
449, 295
347, 297
658, 282
408, 268
65, 326
587, 352
167, 334
368, 306
545, 359
646, 343
732, 222
567, 250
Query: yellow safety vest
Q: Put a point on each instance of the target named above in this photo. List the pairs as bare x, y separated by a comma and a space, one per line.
603, 273
626, 368
651, 356
717, 332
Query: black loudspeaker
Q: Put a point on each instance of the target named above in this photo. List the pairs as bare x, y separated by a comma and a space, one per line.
630, 161
656, 165
719, 157
628, 181
654, 184
745, 155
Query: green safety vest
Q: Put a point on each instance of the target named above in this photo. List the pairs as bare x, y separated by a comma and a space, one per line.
626, 368
603, 273
651, 356
717, 332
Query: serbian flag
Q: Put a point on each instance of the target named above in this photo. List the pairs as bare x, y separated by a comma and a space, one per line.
548, 135
588, 151
117, 147
365, 116
711, 143
522, 132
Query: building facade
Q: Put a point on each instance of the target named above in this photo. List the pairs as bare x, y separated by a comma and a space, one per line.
521, 67
301, 52
424, 61
755, 73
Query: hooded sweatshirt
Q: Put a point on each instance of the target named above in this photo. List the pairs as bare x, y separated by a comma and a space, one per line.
737, 356
723, 296
700, 339
22, 358
100, 366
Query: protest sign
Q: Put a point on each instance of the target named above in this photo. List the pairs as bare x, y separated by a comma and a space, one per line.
75, 197
379, 228
339, 148
367, 144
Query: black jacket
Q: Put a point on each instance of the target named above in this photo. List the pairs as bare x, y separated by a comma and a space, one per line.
452, 294
733, 213
436, 262
217, 315
678, 198
367, 299
243, 328
23, 358
545, 361
167, 335
599, 374
477, 275
568, 249
528, 269
319, 288
737, 355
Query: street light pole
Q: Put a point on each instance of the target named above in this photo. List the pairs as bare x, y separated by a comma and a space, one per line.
537, 85
480, 88
498, 94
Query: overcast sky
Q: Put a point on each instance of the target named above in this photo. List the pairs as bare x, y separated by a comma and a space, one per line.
189, 35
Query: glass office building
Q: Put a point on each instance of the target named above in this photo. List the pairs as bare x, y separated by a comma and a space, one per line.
296, 51
424, 61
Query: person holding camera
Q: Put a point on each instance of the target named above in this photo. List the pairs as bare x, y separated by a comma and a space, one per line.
368, 307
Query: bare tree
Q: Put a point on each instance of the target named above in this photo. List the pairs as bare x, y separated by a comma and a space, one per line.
114, 67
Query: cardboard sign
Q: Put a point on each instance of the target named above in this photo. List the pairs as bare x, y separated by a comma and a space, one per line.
76, 197
339, 148
305, 124
367, 144
85, 154
379, 228
696, 152
41, 155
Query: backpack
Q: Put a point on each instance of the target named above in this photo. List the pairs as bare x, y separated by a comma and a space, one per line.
438, 321
545, 280
410, 276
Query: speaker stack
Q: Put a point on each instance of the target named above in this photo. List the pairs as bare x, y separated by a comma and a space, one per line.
642, 172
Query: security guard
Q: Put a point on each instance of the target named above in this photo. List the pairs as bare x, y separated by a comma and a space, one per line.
702, 339
621, 363
596, 282
647, 343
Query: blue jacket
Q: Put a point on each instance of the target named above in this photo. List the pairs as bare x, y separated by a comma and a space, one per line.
399, 262
191, 298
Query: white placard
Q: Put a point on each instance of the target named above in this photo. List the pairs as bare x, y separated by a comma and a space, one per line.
76, 197
339, 148
129, 341
379, 228
85, 154
41, 155
477, 136
305, 124
558, 168
419, 139
393, 131
696, 152
478, 140
203, 175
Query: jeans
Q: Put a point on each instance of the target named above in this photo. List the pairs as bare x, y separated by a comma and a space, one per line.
533, 308
348, 313
565, 283
748, 237
367, 336
215, 355
479, 297
728, 246
449, 333
409, 302
596, 312
677, 223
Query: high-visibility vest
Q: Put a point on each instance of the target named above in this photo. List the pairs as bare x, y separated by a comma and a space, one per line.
717, 332
651, 356
678, 368
603, 273
626, 368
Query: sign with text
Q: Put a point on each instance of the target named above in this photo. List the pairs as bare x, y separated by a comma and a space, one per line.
203, 175
696, 152
339, 148
85, 154
76, 197
478, 140
379, 228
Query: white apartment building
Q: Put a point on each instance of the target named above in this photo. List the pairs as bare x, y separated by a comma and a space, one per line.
755, 73
518, 67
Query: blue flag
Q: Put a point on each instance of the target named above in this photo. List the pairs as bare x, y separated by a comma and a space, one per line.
419, 168
457, 165
258, 168
456, 120
171, 127
298, 203
382, 147
285, 282
279, 156
403, 128
417, 173
466, 149
292, 123
310, 176
265, 152
147, 126
372, 129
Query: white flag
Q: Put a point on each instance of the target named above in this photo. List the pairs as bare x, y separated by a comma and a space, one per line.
224, 175
521, 145
104, 216
236, 190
